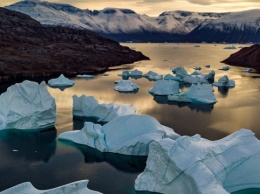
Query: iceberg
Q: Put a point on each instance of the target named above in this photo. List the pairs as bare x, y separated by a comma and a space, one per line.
61, 81
194, 79
85, 76
128, 135
196, 73
180, 71
79, 187
126, 86
230, 47
197, 68
197, 165
105, 74
226, 68
27, 105
171, 77
88, 106
210, 76
150, 73
179, 98
247, 70
153, 76
124, 74
224, 82
165, 87
136, 73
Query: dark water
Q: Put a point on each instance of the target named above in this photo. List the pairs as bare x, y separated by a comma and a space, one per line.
40, 158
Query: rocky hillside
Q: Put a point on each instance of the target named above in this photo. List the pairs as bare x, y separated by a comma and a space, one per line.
246, 57
28, 49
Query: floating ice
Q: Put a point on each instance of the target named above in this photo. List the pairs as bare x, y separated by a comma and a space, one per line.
129, 135
126, 86
153, 76
196, 45
197, 165
224, 82
171, 77
89, 107
136, 73
210, 76
150, 73
85, 76
165, 87
178, 98
230, 47
105, 74
247, 70
226, 68
207, 66
125, 74
196, 73
180, 71
197, 68
79, 187
27, 105
193, 79
61, 81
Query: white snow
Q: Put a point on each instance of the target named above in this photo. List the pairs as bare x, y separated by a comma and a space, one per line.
129, 135
126, 86
27, 105
79, 187
61, 81
197, 165
165, 87
88, 106
224, 82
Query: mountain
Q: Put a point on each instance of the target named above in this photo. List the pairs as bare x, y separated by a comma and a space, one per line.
246, 57
242, 27
118, 24
29, 49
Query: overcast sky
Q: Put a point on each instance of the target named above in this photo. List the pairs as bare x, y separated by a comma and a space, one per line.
155, 7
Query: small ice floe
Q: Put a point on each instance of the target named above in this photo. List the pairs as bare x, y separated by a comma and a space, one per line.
61, 81
88, 106
126, 86
79, 187
85, 76
226, 68
106, 74
178, 98
27, 105
247, 70
165, 87
230, 47
171, 77
194, 79
224, 82
153, 76
207, 66
179, 71
125, 74
136, 74
129, 135
197, 165
197, 68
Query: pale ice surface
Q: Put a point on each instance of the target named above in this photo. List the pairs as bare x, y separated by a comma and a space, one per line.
126, 86
85, 76
88, 106
194, 165
165, 87
224, 82
79, 187
27, 105
61, 81
128, 135
153, 76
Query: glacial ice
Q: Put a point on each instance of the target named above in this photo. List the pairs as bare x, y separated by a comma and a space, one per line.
178, 98
88, 106
180, 71
207, 66
27, 105
136, 73
153, 76
79, 187
230, 47
126, 86
224, 82
150, 73
197, 68
171, 77
128, 134
61, 81
85, 76
226, 68
210, 76
165, 87
247, 70
200, 166
194, 79
124, 74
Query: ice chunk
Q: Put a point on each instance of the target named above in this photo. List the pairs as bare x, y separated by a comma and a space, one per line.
105, 74
230, 47
197, 68
197, 165
196, 73
126, 86
165, 87
79, 187
61, 81
180, 71
129, 134
88, 106
85, 76
224, 82
247, 70
207, 66
153, 76
226, 68
193, 79
136, 73
178, 98
150, 73
210, 76
27, 105
171, 77
125, 74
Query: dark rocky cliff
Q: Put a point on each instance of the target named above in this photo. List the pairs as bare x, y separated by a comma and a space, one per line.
27, 49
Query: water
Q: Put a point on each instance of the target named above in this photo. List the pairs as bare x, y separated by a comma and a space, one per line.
40, 158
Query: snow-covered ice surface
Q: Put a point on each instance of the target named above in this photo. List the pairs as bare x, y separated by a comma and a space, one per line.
88, 106
79, 187
61, 81
193, 165
27, 105
129, 135
165, 87
126, 86
224, 82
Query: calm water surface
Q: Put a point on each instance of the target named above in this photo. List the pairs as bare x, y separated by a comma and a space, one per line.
40, 158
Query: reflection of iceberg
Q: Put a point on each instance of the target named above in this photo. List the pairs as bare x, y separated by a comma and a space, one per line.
129, 135
89, 107
79, 187
197, 165
61, 81
27, 105
224, 82
126, 86
165, 87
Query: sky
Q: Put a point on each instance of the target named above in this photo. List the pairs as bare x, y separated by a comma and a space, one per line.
156, 7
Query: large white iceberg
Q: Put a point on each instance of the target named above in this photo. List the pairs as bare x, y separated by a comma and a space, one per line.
224, 82
27, 105
79, 187
88, 106
197, 93
129, 134
180, 71
165, 87
126, 86
193, 165
61, 81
